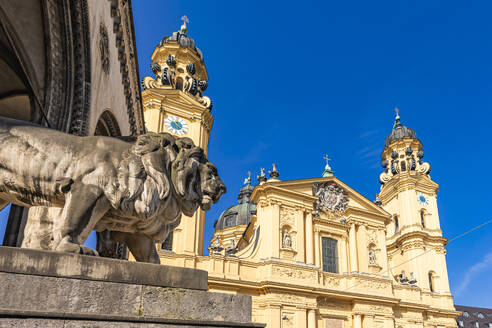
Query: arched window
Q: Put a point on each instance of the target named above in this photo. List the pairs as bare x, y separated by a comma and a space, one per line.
403, 166
422, 218
179, 84
397, 225
330, 254
431, 282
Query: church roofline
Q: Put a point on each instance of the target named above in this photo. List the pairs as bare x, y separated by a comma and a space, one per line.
280, 186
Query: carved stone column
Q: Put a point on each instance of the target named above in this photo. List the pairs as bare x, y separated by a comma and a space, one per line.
383, 258
362, 247
317, 250
353, 249
274, 317
343, 255
309, 239
357, 321
300, 257
301, 318
276, 230
311, 318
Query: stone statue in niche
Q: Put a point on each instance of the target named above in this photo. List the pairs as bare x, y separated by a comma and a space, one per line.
372, 256
135, 187
286, 240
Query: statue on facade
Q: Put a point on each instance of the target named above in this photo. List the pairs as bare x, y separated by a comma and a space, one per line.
372, 256
135, 187
216, 247
231, 250
286, 240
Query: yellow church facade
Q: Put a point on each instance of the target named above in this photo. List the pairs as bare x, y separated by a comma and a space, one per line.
312, 253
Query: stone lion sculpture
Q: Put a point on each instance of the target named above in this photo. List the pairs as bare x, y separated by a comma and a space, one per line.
135, 187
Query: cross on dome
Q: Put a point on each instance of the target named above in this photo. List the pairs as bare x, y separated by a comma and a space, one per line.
328, 172
184, 28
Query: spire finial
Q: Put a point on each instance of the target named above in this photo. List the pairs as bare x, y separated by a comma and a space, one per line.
184, 28
261, 178
273, 173
328, 172
248, 179
397, 119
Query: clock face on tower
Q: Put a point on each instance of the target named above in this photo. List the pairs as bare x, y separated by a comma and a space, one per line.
176, 125
422, 199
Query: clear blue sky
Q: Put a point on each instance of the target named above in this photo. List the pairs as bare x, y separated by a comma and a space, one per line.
291, 81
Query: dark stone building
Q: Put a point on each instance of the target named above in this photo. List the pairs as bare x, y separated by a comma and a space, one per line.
474, 317
70, 65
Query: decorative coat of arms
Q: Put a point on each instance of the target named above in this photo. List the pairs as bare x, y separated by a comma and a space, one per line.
331, 198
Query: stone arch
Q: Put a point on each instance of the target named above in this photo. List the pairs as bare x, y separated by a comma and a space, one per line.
45, 77
422, 214
107, 125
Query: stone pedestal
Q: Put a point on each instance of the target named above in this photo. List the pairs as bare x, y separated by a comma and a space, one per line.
49, 289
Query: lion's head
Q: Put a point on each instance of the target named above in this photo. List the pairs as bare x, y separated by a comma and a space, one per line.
195, 179
159, 166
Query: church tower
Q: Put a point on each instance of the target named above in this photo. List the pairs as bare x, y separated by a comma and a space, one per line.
415, 246
173, 102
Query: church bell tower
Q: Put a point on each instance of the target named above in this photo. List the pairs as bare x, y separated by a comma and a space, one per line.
415, 246
173, 102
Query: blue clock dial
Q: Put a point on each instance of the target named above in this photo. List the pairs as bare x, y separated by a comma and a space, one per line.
176, 125
422, 199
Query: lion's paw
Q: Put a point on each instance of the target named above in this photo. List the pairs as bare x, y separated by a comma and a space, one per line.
69, 247
88, 251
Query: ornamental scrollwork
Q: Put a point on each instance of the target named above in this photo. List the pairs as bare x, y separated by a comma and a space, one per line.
331, 198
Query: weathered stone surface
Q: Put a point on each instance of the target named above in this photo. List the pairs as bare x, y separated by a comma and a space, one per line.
136, 187
57, 264
64, 323
42, 289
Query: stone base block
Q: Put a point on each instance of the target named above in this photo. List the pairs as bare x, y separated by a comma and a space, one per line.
48, 289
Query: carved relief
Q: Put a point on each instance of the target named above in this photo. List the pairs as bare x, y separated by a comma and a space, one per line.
292, 273
331, 281
287, 217
333, 304
371, 284
104, 48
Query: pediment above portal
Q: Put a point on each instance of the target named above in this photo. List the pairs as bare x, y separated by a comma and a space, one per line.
334, 195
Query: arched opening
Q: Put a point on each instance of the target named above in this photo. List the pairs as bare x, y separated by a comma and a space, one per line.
397, 225
431, 281
403, 166
179, 83
107, 125
422, 218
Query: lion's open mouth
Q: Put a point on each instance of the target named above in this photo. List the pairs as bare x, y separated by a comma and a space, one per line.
206, 202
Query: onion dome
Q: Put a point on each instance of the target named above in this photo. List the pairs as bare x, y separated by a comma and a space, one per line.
184, 40
399, 132
241, 213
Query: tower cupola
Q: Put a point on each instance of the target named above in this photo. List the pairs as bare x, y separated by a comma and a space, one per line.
177, 63
403, 153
